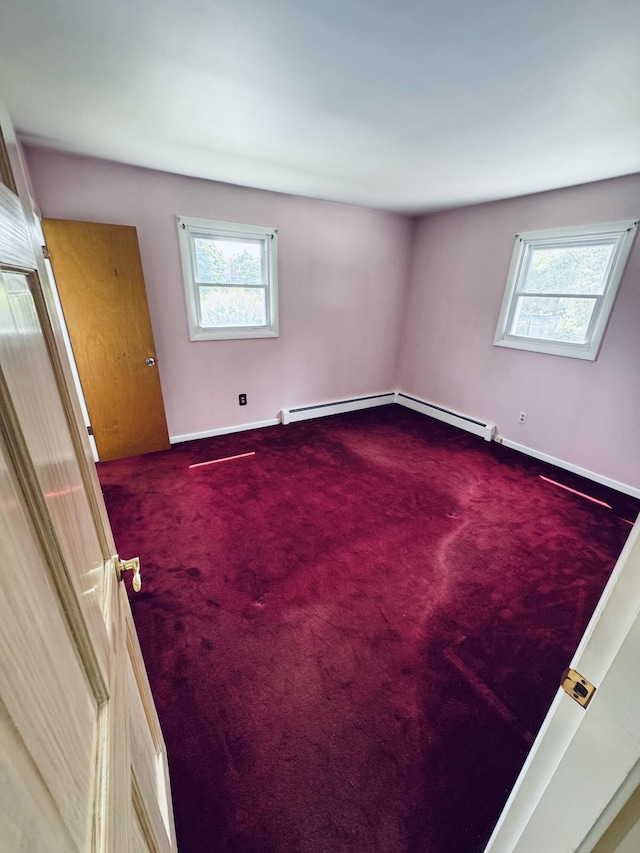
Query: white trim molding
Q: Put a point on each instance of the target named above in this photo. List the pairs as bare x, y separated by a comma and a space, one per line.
569, 466
483, 429
209, 433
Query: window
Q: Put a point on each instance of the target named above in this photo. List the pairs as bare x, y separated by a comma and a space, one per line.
231, 279
561, 288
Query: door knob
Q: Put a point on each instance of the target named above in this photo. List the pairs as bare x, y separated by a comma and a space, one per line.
150, 361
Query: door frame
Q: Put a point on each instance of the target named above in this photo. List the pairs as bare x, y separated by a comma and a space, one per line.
581, 821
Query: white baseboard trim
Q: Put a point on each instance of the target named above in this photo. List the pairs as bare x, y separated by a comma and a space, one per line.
209, 433
569, 466
448, 416
484, 430
323, 410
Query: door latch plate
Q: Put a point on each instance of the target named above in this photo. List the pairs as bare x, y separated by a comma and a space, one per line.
577, 687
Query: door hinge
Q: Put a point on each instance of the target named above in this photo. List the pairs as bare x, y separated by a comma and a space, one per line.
577, 687
45, 252
90, 430
132, 565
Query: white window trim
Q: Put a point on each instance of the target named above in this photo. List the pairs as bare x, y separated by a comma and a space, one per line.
624, 230
189, 224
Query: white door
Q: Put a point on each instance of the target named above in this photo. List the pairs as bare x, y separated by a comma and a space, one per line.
585, 764
82, 764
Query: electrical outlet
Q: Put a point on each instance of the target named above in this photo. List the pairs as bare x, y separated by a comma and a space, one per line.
242, 399
523, 418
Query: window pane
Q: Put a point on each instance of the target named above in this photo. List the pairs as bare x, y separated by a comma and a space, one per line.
224, 261
233, 306
553, 319
568, 269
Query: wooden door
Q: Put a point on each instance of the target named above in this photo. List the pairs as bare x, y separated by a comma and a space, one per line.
99, 277
83, 765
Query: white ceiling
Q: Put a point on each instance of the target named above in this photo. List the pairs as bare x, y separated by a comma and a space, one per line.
408, 105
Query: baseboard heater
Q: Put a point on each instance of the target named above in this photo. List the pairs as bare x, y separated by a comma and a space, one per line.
484, 430
321, 410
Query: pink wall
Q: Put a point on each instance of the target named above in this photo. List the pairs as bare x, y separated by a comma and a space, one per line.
342, 279
586, 413
343, 293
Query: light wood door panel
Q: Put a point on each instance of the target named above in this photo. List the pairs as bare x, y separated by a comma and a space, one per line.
146, 768
138, 840
15, 247
72, 680
32, 386
45, 693
148, 749
99, 276
24, 794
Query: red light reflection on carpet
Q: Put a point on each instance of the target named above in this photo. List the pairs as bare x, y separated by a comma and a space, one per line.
224, 459
574, 492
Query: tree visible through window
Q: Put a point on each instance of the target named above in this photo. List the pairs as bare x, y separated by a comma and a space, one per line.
231, 278
561, 288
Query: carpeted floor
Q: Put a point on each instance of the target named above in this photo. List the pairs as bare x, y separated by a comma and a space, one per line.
353, 634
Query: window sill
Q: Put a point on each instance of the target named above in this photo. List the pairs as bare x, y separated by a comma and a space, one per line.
583, 351
231, 334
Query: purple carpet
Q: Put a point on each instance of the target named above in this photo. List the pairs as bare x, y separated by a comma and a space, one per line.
354, 634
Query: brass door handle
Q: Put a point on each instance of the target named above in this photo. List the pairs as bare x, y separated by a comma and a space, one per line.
132, 565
